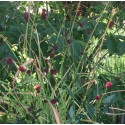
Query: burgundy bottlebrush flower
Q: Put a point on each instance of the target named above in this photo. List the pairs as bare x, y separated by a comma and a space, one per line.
44, 14
111, 24
53, 71
46, 60
22, 69
98, 97
55, 47
9, 61
53, 101
108, 85
28, 72
78, 13
26, 16
51, 55
117, 78
37, 87
68, 41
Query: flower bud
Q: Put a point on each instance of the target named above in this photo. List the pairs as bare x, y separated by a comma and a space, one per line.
111, 24
51, 55
53, 71
22, 69
55, 47
26, 16
37, 87
9, 61
53, 101
44, 14
98, 97
28, 72
108, 85
68, 41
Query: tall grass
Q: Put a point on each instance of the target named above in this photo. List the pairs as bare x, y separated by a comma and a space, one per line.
75, 85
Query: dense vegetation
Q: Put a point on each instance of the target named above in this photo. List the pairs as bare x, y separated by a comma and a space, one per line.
62, 62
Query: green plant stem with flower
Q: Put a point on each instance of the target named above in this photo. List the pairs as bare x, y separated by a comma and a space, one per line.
97, 107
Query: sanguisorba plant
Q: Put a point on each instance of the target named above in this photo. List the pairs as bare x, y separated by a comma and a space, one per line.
56, 72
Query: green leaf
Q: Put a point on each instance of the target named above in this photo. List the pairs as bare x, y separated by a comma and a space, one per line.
38, 111
44, 48
53, 39
3, 49
61, 44
68, 90
100, 28
71, 111
112, 44
122, 48
76, 48
108, 99
14, 31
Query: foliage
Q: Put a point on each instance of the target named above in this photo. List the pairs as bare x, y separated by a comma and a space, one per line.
67, 52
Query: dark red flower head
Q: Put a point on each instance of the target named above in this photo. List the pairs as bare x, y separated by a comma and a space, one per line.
51, 55
111, 24
37, 87
55, 47
68, 41
44, 14
53, 101
78, 13
98, 97
46, 60
22, 69
26, 16
53, 71
9, 61
108, 85
28, 72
